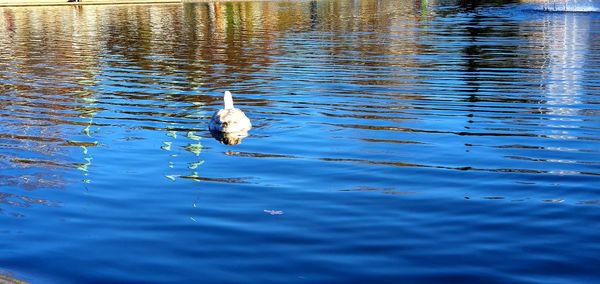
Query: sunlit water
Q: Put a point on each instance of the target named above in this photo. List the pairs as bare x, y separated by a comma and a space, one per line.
392, 142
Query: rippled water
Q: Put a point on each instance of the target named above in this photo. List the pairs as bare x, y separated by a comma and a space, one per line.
393, 142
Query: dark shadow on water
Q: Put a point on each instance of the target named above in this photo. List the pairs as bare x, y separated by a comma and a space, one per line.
231, 139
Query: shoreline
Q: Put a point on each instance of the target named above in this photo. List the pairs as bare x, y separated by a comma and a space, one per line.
34, 3
38, 3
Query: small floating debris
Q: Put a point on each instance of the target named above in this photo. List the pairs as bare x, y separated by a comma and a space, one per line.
554, 200
171, 177
273, 212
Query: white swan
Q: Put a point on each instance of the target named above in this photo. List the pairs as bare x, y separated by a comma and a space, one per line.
229, 119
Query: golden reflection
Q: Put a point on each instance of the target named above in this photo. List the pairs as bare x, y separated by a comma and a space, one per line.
63, 69
44, 91
236, 38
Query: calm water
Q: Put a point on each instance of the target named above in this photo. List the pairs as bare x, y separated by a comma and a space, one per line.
401, 143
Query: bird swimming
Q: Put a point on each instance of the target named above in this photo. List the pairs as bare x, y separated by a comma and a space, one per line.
230, 119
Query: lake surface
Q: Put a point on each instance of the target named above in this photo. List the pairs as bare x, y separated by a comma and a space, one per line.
393, 142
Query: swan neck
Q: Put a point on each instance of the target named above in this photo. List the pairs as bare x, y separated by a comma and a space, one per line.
228, 100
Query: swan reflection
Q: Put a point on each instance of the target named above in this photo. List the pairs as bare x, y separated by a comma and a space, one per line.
232, 138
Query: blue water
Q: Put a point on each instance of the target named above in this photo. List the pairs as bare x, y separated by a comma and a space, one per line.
393, 142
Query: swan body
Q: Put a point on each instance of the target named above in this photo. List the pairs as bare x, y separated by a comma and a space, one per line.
229, 119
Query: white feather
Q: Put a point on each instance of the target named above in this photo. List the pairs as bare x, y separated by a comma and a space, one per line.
229, 119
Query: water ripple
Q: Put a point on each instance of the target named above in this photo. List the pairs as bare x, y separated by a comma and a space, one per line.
383, 129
